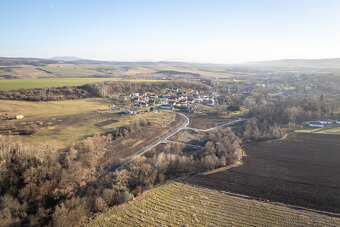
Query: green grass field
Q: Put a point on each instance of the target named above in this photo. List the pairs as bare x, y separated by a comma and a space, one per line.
70, 71
178, 204
334, 130
7, 85
53, 108
70, 121
204, 109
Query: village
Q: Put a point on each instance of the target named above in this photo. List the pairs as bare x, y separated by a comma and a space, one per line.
171, 99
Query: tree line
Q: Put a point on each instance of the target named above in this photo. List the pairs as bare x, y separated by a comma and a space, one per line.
99, 89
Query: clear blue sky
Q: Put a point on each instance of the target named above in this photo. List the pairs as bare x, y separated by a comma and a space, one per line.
221, 31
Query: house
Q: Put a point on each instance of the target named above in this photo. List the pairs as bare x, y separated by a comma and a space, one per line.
183, 103
190, 101
171, 103
165, 107
151, 102
130, 112
135, 94
19, 116
195, 93
135, 99
314, 124
143, 104
212, 92
153, 96
211, 102
172, 99
198, 100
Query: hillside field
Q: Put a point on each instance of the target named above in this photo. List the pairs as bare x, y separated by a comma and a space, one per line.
178, 204
7, 85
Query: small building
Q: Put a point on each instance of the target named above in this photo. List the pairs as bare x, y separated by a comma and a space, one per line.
151, 102
143, 104
130, 112
153, 96
19, 116
211, 102
165, 107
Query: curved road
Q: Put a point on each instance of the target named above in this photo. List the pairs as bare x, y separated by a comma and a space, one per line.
165, 138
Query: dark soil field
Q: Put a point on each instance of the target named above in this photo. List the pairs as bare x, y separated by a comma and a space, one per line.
303, 170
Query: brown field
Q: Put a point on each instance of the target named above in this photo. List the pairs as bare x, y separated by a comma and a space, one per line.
178, 204
302, 170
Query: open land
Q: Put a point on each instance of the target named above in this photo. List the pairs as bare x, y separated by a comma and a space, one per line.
178, 204
325, 130
68, 122
7, 85
302, 170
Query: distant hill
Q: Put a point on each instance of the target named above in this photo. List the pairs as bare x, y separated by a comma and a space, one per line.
25, 61
297, 63
285, 63
66, 58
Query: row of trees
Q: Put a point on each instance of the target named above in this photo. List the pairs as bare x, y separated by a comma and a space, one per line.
100, 89
46, 94
109, 88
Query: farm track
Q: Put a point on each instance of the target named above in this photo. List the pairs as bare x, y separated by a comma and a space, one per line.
178, 204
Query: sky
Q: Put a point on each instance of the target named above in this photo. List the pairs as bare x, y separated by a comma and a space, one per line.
212, 31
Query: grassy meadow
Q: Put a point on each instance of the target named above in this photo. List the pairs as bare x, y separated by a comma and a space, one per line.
325, 130
7, 85
68, 122
174, 204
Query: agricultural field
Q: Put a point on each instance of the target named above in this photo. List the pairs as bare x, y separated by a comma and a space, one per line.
301, 170
7, 85
325, 130
70, 70
64, 123
178, 204
207, 116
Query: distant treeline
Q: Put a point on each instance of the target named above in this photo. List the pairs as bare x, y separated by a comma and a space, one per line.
100, 89
25, 61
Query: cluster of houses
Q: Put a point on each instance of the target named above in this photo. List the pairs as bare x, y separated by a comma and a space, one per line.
170, 99
321, 124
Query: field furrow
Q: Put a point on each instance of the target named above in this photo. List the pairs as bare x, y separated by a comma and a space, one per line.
178, 204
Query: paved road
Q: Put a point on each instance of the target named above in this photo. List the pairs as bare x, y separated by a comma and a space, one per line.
165, 138
153, 144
